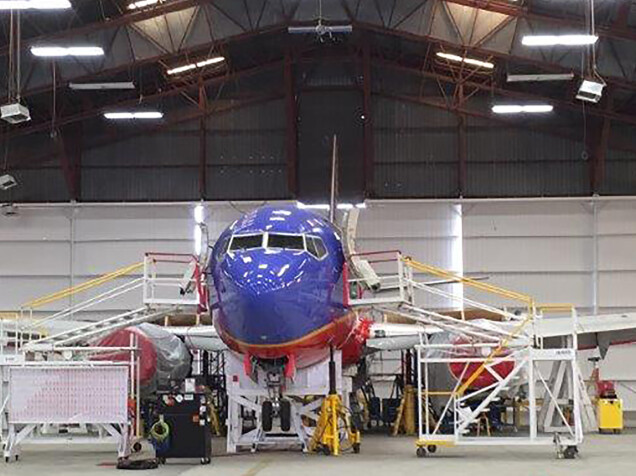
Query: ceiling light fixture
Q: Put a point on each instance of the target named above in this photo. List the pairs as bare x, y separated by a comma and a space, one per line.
522, 78
191, 66
325, 206
591, 90
142, 4
101, 86
62, 51
521, 109
119, 116
559, 40
460, 59
35, 4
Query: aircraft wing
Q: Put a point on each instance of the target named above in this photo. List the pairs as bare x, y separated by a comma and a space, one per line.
199, 337
389, 336
600, 330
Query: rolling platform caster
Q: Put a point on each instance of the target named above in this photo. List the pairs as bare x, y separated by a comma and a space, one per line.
570, 452
421, 452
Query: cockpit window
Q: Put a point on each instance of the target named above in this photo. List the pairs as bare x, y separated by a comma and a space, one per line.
316, 247
246, 242
286, 242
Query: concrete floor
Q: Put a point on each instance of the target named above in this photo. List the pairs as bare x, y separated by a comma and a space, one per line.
381, 456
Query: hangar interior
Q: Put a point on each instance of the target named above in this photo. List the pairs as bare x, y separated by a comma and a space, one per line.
243, 99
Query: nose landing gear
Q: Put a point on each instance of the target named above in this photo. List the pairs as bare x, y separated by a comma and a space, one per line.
272, 409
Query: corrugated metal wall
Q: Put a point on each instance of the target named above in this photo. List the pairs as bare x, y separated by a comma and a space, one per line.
246, 153
323, 114
415, 150
516, 162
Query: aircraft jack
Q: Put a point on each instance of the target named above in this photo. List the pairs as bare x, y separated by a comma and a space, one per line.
333, 421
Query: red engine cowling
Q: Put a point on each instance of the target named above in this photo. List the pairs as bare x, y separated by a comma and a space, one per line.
162, 355
485, 378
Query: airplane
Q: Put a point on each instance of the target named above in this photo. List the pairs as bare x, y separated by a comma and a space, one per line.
278, 283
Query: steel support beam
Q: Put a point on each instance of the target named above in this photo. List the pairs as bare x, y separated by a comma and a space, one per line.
368, 150
127, 18
461, 143
203, 105
179, 119
577, 23
490, 117
173, 91
70, 157
597, 164
576, 107
291, 128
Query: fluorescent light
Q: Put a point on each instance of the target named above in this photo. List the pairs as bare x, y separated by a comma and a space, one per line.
559, 40
142, 4
199, 213
520, 78
199, 64
463, 59
198, 239
133, 115
520, 109
61, 51
34, 4
325, 206
101, 86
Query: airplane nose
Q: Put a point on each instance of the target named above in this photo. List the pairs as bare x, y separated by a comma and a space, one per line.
268, 297
256, 274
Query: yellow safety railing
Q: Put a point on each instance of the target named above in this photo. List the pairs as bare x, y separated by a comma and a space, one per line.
503, 344
556, 307
71, 291
490, 288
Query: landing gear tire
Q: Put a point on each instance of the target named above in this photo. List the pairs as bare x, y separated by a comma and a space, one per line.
356, 448
205, 460
431, 449
285, 415
267, 415
421, 452
570, 452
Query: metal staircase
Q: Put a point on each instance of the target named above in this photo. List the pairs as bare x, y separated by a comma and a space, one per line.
86, 332
484, 337
165, 289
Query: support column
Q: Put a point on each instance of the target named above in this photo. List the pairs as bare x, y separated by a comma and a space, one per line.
291, 129
368, 121
597, 165
461, 144
70, 157
203, 104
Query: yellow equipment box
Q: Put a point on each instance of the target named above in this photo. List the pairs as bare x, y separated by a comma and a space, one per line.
610, 415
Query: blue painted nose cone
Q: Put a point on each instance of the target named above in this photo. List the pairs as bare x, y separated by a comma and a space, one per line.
273, 296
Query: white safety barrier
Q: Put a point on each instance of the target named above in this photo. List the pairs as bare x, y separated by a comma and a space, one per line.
85, 393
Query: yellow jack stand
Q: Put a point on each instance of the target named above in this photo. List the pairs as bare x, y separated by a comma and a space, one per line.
333, 418
405, 419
